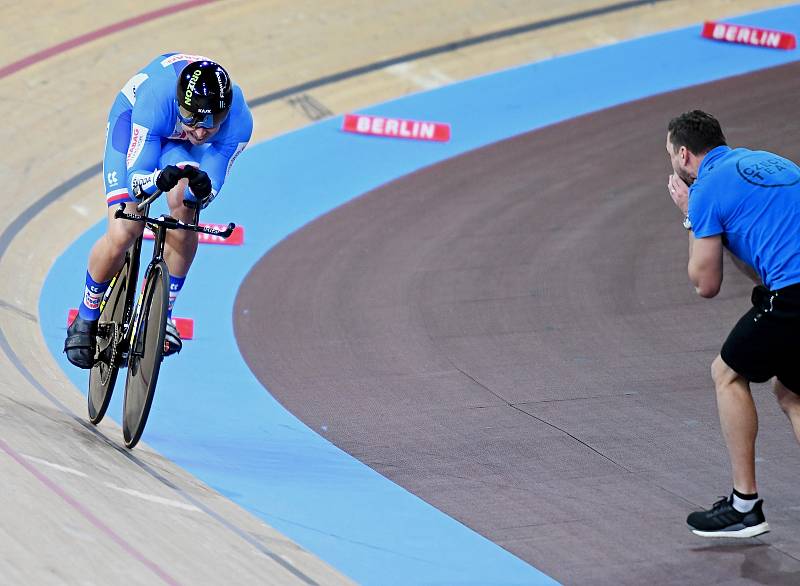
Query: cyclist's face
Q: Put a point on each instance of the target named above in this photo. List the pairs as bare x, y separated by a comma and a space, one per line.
199, 135
201, 132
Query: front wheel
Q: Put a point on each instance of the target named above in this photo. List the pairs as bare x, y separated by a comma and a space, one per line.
145, 353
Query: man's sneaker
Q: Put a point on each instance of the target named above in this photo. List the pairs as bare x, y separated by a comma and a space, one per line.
172, 339
722, 520
81, 342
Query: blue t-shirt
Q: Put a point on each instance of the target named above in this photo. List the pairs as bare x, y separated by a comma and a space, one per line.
752, 199
154, 119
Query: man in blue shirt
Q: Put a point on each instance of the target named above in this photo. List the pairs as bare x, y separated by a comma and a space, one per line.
177, 125
748, 202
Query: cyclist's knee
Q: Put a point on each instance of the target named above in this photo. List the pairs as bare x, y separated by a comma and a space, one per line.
175, 201
120, 240
122, 233
176, 193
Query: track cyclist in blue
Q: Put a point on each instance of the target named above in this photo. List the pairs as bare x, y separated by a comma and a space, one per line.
178, 125
749, 203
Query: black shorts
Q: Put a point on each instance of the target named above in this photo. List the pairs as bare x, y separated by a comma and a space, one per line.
766, 340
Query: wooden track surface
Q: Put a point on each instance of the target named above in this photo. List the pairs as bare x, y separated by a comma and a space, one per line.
53, 128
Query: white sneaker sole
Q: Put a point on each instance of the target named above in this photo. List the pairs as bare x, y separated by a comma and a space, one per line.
741, 533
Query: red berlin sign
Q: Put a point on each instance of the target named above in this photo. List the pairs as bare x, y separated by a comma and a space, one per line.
396, 127
748, 35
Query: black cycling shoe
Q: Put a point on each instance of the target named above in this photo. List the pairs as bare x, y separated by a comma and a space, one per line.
172, 339
81, 342
722, 520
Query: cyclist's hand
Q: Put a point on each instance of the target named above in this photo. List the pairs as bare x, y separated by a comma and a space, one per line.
200, 184
168, 177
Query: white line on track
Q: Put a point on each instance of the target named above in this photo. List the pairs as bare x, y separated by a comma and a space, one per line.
55, 466
135, 493
82, 210
428, 79
153, 498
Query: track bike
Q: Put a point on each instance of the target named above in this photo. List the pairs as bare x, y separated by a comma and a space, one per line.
131, 332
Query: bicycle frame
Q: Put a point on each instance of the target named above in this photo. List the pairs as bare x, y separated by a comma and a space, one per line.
133, 332
159, 226
136, 336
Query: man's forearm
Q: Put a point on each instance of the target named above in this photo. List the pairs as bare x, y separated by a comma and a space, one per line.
689, 268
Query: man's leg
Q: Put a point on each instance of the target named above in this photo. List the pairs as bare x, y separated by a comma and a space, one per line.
179, 252
105, 259
790, 403
739, 422
181, 245
741, 514
108, 253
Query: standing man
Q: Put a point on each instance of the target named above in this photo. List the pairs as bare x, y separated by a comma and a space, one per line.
748, 202
177, 125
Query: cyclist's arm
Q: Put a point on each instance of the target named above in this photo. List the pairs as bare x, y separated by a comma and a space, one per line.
220, 155
217, 162
144, 149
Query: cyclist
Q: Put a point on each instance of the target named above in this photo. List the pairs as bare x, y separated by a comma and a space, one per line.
178, 125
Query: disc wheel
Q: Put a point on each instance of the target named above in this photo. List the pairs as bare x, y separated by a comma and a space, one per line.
145, 354
110, 333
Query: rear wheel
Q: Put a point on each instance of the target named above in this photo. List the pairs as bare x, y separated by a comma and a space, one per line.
110, 332
145, 354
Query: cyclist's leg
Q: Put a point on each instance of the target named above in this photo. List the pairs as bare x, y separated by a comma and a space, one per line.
181, 245
108, 253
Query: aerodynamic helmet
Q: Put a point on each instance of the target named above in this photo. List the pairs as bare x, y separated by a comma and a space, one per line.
204, 92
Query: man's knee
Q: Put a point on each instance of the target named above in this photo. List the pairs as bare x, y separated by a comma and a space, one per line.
721, 373
175, 202
121, 236
788, 400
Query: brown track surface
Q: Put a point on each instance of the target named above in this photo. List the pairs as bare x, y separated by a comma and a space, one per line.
511, 336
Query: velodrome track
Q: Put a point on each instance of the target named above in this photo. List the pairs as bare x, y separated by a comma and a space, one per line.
515, 347
41, 434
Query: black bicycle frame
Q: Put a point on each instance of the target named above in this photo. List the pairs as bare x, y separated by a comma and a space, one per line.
159, 226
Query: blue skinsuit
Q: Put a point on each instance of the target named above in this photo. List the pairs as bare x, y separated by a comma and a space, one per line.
144, 134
